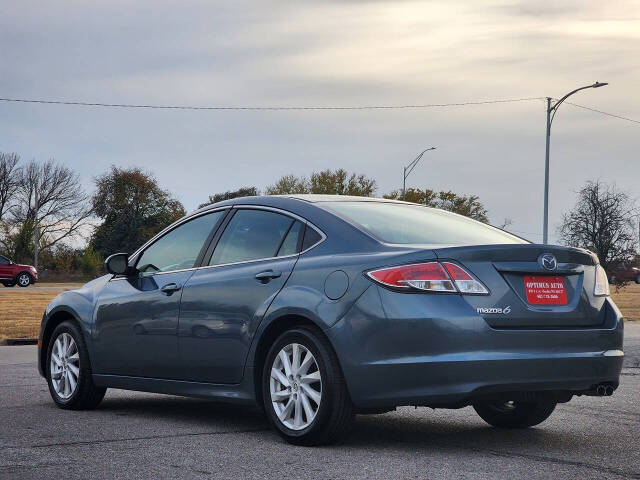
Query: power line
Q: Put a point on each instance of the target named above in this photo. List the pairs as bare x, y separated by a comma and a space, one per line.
280, 108
187, 107
604, 113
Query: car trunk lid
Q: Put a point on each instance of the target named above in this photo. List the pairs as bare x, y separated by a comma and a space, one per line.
526, 291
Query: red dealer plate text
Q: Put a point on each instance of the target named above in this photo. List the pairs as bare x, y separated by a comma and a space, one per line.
545, 290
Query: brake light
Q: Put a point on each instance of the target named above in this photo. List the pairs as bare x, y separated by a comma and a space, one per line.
432, 276
601, 288
422, 276
465, 282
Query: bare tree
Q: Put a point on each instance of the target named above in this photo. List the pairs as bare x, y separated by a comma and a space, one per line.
602, 221
9, 181
51, 199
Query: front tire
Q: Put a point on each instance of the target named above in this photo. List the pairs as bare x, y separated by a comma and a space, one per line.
303, 390
514, 414
69, 370
24, 279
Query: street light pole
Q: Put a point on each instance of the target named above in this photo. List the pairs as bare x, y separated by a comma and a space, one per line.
551, 113
545, 225
409, 168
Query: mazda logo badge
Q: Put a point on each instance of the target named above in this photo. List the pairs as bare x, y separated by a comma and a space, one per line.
548, 261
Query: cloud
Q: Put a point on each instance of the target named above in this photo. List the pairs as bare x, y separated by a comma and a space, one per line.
328, 53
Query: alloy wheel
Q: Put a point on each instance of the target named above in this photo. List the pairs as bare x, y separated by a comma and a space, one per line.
65, 366
295, 386
24, 280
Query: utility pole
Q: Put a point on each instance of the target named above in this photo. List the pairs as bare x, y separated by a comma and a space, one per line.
552, 109
409, 168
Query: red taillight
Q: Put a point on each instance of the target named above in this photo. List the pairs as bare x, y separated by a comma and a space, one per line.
423, 276
456, 272
464, 281
430, 276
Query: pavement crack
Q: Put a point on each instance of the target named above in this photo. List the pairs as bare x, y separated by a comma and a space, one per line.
147, 437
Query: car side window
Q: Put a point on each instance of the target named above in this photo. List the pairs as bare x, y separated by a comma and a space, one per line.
3, 260
252, 235
311, 237
179, 248
290, 243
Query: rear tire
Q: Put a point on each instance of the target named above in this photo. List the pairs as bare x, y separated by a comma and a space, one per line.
318, 423
638, 279
514, 414
69, 372
9, 284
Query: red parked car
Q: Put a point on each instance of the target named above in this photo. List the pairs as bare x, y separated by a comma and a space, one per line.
12, 273
624, 272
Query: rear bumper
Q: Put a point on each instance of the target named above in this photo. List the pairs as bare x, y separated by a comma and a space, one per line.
453, 357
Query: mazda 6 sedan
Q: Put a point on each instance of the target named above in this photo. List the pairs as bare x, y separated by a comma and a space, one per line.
317, 308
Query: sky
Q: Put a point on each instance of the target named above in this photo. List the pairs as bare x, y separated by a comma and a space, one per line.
330, 53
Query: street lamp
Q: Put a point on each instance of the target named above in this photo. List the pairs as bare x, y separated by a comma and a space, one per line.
409, 168
551, 113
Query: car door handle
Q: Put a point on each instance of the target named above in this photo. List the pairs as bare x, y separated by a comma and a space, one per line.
169, 288
267, 275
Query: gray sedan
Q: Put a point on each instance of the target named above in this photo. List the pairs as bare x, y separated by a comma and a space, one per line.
317, 308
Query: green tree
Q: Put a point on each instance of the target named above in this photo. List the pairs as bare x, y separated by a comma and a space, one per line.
228, 195
18, 240
64, 259
133, 208
90, 262
339, 182
467, 205
288, 185
328, 182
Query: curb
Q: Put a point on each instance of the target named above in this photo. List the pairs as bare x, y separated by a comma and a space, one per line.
19, 341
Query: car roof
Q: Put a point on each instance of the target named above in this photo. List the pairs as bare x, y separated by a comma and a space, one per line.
281, 200
313, 198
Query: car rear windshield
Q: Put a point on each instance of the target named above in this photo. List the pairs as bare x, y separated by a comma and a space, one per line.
415, 224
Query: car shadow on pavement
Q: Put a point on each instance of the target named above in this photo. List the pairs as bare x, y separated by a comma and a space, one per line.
184, 410
428, 431
407, 429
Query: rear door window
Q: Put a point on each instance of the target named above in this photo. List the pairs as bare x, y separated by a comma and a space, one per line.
254, 235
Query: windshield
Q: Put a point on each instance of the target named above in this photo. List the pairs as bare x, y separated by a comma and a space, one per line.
416, 224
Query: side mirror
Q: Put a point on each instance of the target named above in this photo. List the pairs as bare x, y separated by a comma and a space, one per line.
117, 264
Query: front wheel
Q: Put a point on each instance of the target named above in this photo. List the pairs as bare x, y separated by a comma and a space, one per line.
69, 370
514, 414
24, 279
304, 393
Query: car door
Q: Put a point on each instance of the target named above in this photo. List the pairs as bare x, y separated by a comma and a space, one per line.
136, 317
223, 302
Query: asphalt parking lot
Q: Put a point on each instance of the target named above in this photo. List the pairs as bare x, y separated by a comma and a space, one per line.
136, 435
